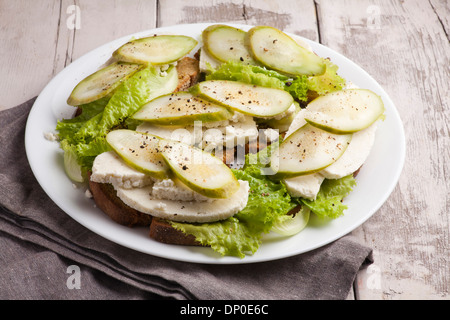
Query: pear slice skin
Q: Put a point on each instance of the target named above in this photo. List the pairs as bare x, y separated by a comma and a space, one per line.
306, 151
226, 43
140, 151
278, 51
181, 108
101, 83
199, 170
155, 50
345, 111
252, 100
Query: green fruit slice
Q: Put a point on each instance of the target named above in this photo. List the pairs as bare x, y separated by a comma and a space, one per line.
72, 167
101, 83
199, 170
226, 43
253, 100
140, 151
181, 108
276, 50
294, 224
156, 50
345, 111
307, 150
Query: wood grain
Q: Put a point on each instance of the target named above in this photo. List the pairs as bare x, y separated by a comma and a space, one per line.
408, 53
42, 38
28, 31
274, 13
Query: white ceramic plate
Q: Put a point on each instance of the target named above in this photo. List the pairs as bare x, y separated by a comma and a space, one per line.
375, 182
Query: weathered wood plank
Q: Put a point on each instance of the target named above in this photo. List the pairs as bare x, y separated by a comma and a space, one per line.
28, 31
86, 25
442, 10
402, 45
292, 16
45, 36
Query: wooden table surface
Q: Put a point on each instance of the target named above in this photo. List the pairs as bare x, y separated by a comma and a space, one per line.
403, 44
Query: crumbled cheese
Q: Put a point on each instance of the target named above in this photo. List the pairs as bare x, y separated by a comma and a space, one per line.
175, 190
234, 132
88, 194
51, 136
271, 135
108, 167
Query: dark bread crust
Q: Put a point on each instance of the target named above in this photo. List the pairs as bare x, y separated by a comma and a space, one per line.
106, 199
162, 231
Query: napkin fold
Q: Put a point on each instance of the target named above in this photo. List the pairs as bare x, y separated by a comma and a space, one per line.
42, 249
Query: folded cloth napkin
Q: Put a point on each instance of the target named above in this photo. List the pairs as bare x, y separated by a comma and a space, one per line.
41, 244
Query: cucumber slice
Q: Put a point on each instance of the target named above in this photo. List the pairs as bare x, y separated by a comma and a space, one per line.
225, 43
199, 170
101, 83
140, 151
293, 225
156, 50
276, 50
253, 100
345, 111
181, 108
307, 150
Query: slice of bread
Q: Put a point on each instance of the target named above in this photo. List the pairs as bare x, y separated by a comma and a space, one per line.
188, 73
162, 231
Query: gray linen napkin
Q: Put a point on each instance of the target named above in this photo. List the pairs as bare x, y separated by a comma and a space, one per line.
39, 242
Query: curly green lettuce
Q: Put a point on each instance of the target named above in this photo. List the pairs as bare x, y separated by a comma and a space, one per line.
260, 76
299, 87
328, 203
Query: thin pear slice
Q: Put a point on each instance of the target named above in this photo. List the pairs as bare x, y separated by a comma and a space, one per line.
101, 83
199, 170
226, 43
181, 108
307, 150
140, 151
345, 111
156, 50
276, 50
252, 100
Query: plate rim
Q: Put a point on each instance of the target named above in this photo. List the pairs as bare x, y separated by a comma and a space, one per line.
206, 259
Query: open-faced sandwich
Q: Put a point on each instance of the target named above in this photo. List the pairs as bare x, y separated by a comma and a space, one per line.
219, 140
